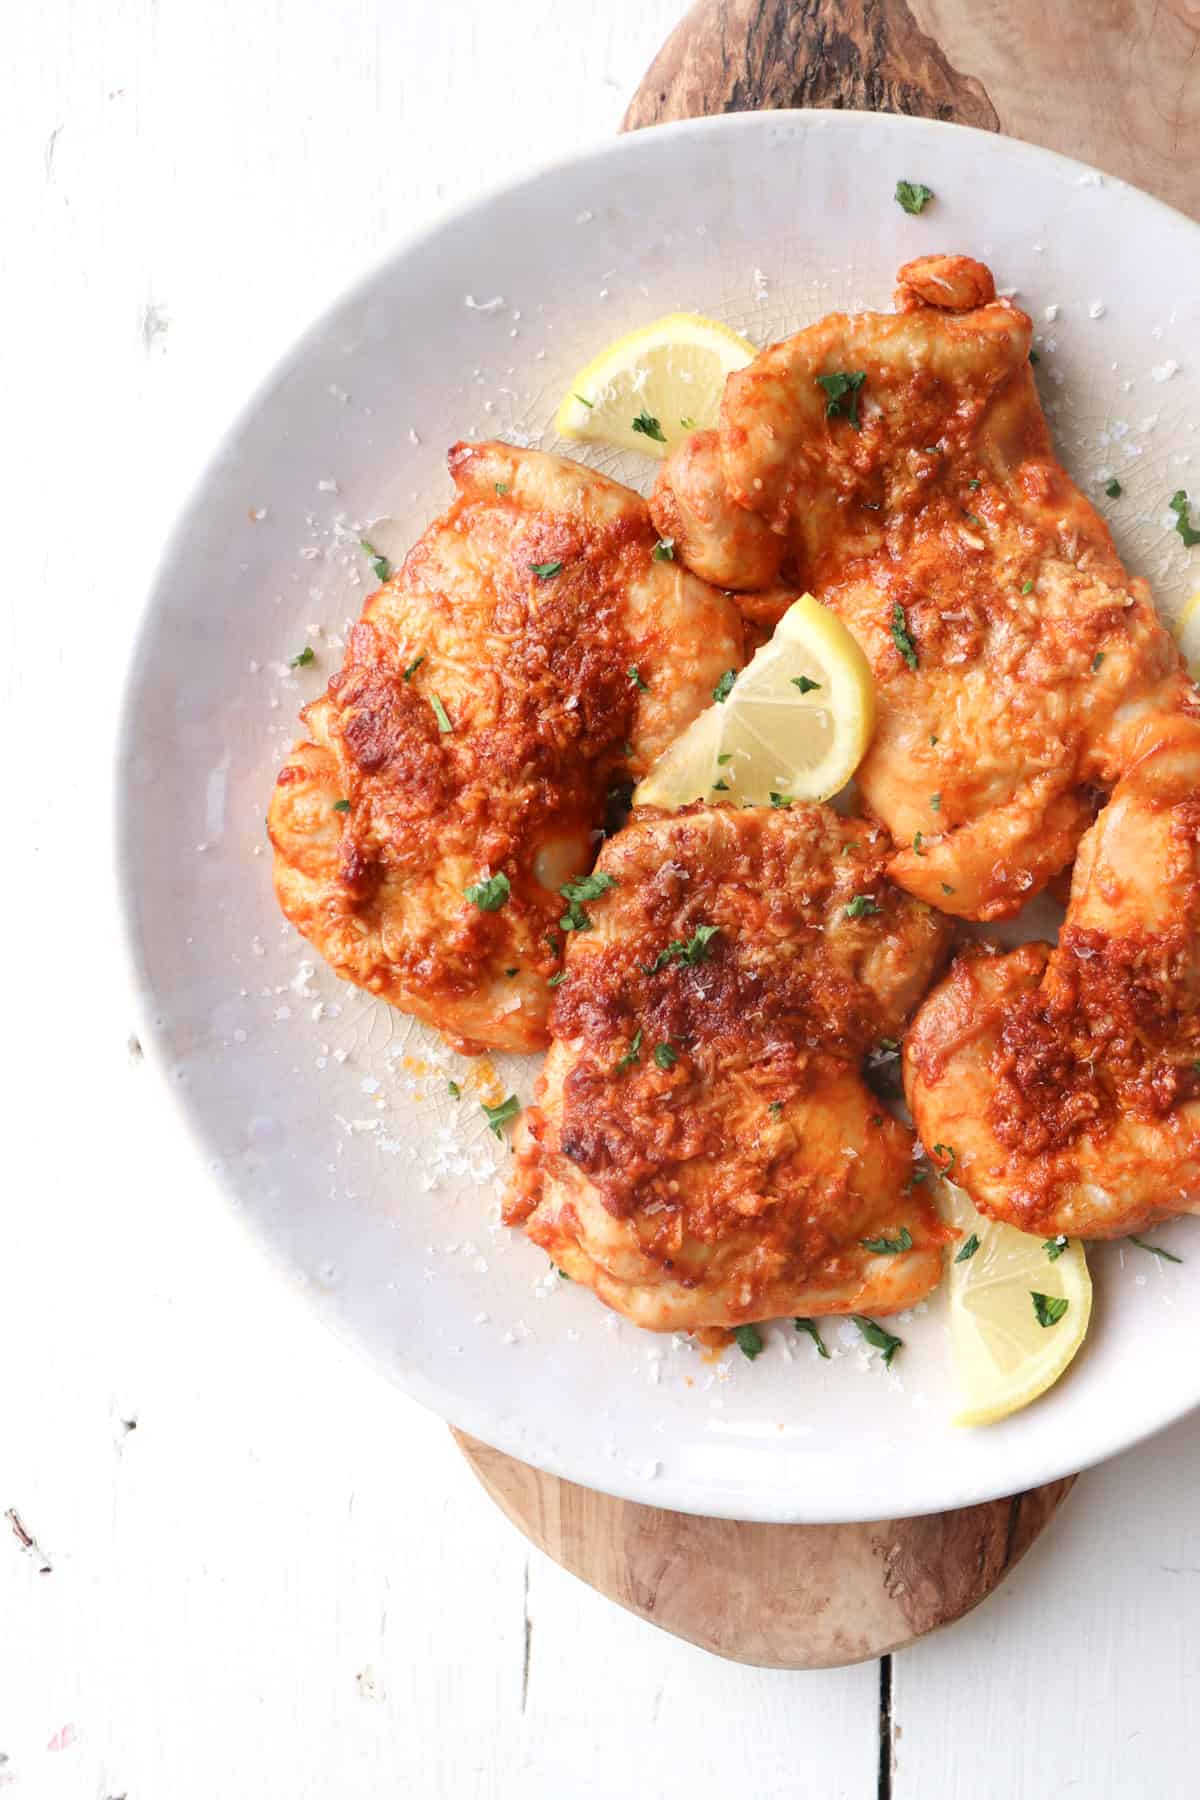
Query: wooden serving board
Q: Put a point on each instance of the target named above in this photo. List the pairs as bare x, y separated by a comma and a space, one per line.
1117, 84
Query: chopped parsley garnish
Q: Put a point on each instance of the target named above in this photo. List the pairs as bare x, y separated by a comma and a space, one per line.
724, 686
974, 483
454, 1091
588, 403
489, 895
935, 802
664, 550
972, 518
748, 1339
862, 907
901, 637
341, 806
412, 668
841, 395
1113, 489
810, 1326
913, 196
589, 887
380, 564
557, 980
1155, 1250
500, 1115
665, 1056
501, 488
932, 742
1034, 357
946, 888
649, 427
547, 570
562, 1275
632, 1054
968, 1250
878, 1338
643, 687
720, 787
775, 1108
948, 1156
784, 800
1054, 1247
886, 1246
1048, 1309
1027, 585
1097, 660
688, 424
696, 949
918, 840
1183, 524
725, 756
306, 656
440, 714
804, 684
889, 1046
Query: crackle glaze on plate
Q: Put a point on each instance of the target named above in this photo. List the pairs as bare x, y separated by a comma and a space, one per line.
327, 1116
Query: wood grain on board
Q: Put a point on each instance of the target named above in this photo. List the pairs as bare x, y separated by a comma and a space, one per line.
1113, 82
780, 1596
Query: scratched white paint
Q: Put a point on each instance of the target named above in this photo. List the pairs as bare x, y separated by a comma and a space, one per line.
270, 1574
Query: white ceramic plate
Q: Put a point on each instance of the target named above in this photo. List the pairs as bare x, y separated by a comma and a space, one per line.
326, 1114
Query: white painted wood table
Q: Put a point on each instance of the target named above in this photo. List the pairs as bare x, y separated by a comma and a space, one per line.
267, 1576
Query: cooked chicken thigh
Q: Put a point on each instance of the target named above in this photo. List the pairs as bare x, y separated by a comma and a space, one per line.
530, 652
706, 1151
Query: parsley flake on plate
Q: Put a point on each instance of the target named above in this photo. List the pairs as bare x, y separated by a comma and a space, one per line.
412, 668
1113, 489
913, 196
841, 395
901, 636
454, 1091
547, 570
441, 715
664, 550
633, 1053
643, 687
341, 806
489, 895
307, 655
804, 684
782, 800
1155, 1250
557, 980
500, 1115
878, 1338
1178, 504
724, 686
863, 906
968, 1250
809, 1325
380, 563
666, 1056
748, 1339
1054, 1247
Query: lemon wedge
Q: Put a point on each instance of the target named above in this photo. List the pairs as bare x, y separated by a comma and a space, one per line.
651, 387
792, 726
1018, 1312
1187, 633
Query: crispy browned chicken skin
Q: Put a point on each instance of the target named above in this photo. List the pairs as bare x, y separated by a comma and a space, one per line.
530, 652
1067, 1080
1013, 657
705, 1151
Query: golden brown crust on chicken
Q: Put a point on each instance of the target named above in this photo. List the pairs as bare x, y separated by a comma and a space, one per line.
1013, 657
705, 1151
481, 714
1067, 1080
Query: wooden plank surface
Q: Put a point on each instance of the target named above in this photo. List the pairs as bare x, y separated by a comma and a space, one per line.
1113, 82
283, 1583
